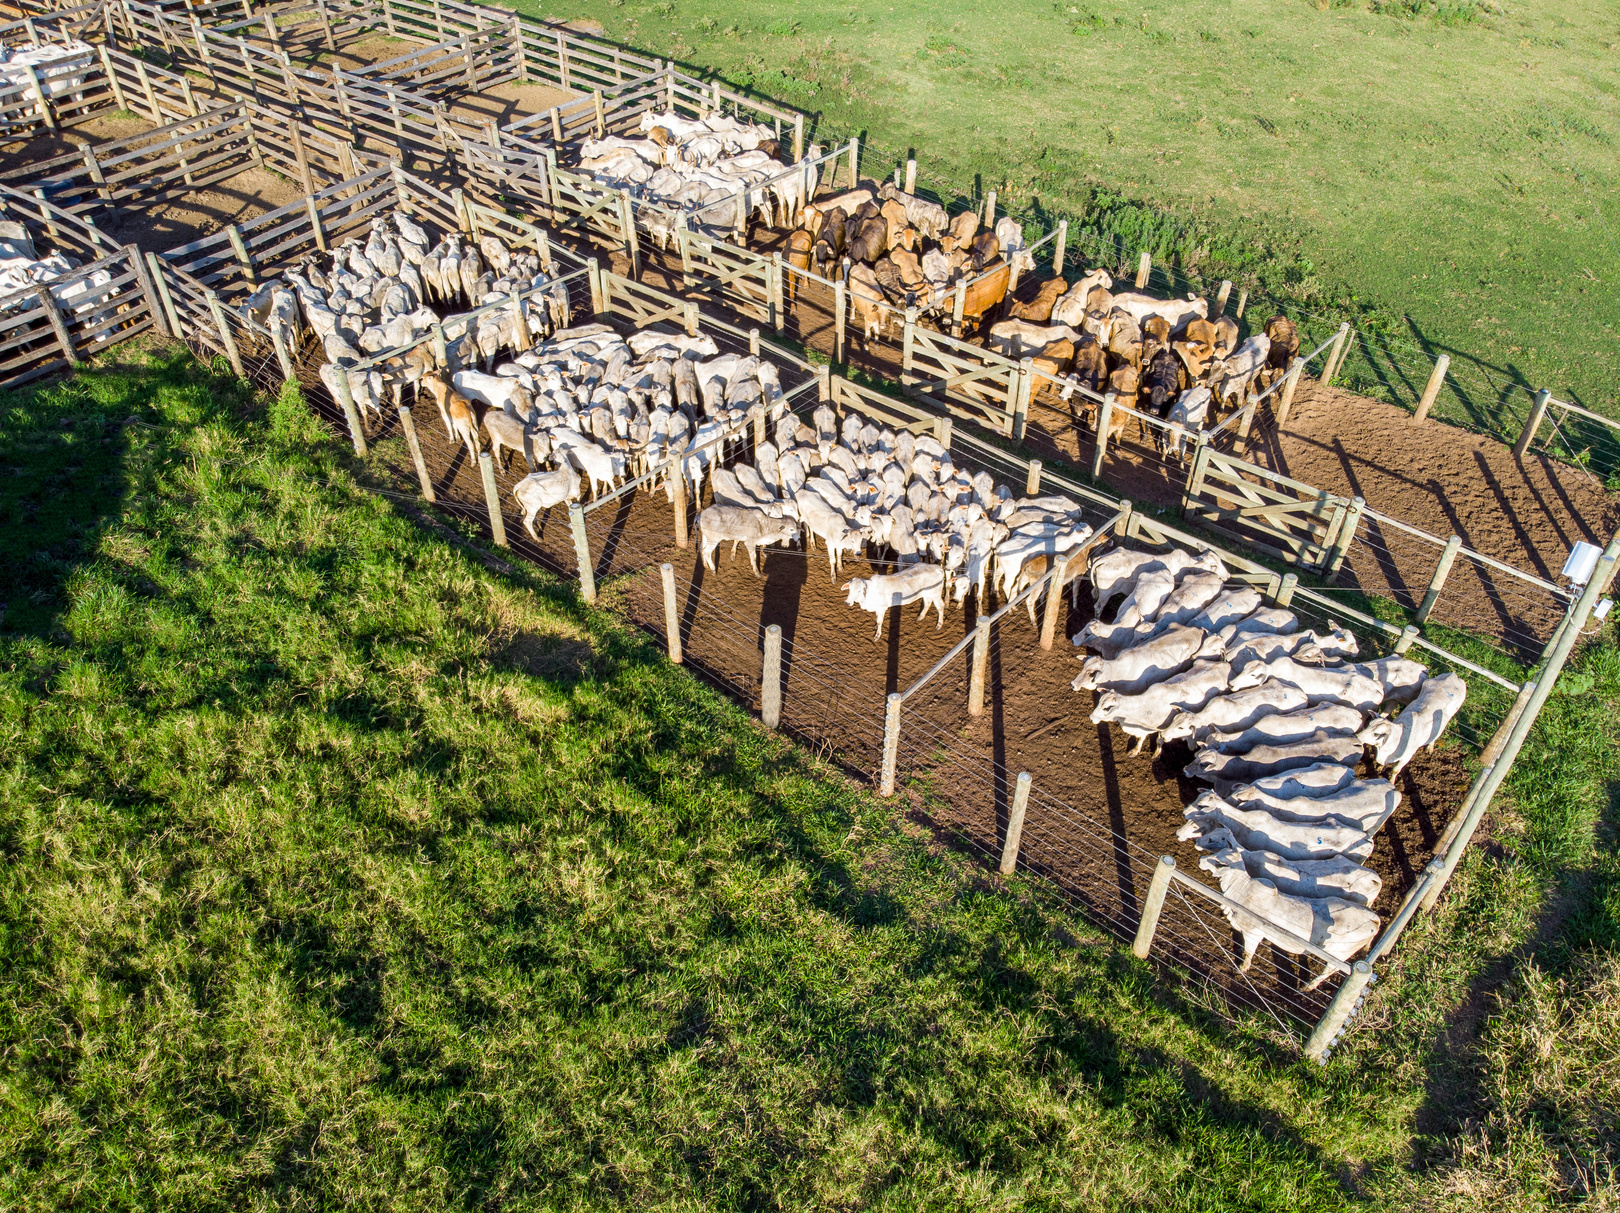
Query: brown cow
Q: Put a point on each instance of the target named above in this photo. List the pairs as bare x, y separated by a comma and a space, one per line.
800, 244
1055, 360
986, 248
870, 241
867, 296
1284, 345
901, 234
1226, 336
1039, 309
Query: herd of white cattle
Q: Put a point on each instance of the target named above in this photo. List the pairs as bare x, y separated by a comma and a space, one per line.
1278, 718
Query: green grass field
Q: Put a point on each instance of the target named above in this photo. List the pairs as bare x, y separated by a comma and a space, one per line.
342, 872
1446, 180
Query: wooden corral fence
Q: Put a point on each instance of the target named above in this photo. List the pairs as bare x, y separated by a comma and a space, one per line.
181, 157
53, 326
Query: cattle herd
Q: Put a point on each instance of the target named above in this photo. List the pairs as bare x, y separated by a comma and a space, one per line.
1277, 716
1278, 720
699, 171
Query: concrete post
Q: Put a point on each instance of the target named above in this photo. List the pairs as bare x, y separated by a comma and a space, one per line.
672, 613
1015, 825
770, 679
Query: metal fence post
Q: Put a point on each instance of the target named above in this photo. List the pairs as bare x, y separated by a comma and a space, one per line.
582, 550
770, 679
1153, 906
492, 498
1339, 1011
672, 614
1447, 557
891, 743
408, 424
1431, 389
1568, 633
357, 433
1527, 436
981, 663
1015, 824
1105, 421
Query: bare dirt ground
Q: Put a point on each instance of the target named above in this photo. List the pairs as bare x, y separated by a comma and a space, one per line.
157, 227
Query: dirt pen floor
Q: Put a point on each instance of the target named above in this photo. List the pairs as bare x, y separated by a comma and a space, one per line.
836, 679
158, 228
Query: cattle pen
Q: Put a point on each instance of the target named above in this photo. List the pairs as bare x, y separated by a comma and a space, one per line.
950, 718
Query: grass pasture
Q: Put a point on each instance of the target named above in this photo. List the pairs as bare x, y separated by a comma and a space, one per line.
1443, 174
343, 872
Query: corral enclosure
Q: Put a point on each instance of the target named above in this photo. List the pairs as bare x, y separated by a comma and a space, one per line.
1098, 820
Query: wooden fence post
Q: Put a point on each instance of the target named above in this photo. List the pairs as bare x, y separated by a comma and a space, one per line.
45, 110
1243, 302
1404, 642
1431, 389
357, 432
582, 551
1331, 367
911, 176
1195, 475
981, 663
691, 319
854, 162
143, 276
839, 309
1221, 297
770, 679
175, 328
1153, 906
774, 290
990, 209
632, 243
1344, 1004
1054, 604
225, 337
1032, 482
891, 743
1025, 389
1285, 590
1015, 825
593, 274
677, 484
54, 315
1295, 369
1441, 570
672, 614
408, 423
1527, 436
942, 431
492, 498
1105, 422
1144, 268
1060, 248
1347, 534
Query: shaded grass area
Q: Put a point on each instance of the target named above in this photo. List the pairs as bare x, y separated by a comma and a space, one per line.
342, 871
1439, 173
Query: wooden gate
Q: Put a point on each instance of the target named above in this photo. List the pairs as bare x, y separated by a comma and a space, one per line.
744, 281
1286, 518
965, 378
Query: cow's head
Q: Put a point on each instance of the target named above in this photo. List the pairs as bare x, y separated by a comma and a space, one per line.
1107, 705
856, 589
1090, 674
1252, 674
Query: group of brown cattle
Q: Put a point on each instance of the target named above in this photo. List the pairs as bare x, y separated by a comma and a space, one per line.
905, 251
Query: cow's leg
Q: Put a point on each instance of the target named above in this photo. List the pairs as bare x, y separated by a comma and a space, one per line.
1141, 740
1251, 944
753, 561
878, 633
1320, 978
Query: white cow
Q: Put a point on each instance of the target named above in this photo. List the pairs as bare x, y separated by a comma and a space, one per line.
1419, 725
1288, 726
1136, 669
1265, 760
1259, 830
1315, 878
1366, 802
1237, 372
1323, 779
1338, 927
923, 583
1320, 685
1141, 716
1235, 711
1400, 677
541, 490
752, 528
